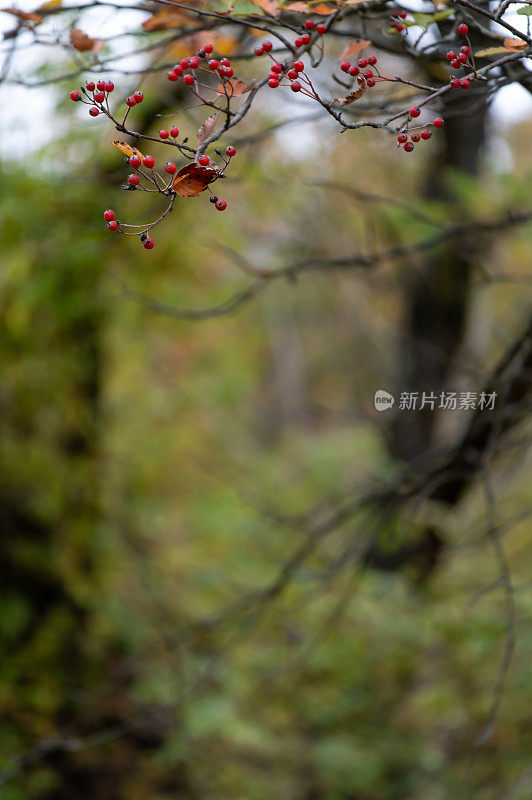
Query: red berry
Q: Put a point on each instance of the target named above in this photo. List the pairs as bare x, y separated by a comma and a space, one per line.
309, 24
220, 205
112, 225
465, 49
163, 134
305, 38
188, 80
277, 68
368, 74
299, 66
93, 111
178, 69
134, 162
462, 58
292, 74
464, 83
344, 66
372, 60
185, 63
415, 137
403, 14
408, 147
139, 97
149, 244
463, 29
353, 70
230, 151
438, 122
370, 82
224, 62
174, 132
295, 86
455, 83
90, 86
204, 161
170, 167
99, 97
273, 83
172, 76
402, 138
400, 28
100, 85
194, 62
362, 62
415, 112
148, 161
258, 51
213, 64
133, 179
130, 101
109, 86
456, 64
451, 55
228, 72
425, 134
298, 42
267, 46
108, 215
208, 48
75, 96
321, 29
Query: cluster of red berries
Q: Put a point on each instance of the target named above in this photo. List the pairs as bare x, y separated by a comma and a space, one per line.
362, 63
396, 18
95, 95
192, 63
416, 137
461, 59
293, 73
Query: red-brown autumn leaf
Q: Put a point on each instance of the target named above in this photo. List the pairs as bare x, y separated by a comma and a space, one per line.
306, 8
234, 87
353, 48
24, 16
269, 6
84, 43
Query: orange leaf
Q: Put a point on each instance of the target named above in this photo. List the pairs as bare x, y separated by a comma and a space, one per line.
353, 48
323, 10
269, 6
191, 44
514, 44
165, 19
307, 8
80, 41
24, 16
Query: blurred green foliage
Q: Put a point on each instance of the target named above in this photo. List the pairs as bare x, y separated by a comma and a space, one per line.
142, 461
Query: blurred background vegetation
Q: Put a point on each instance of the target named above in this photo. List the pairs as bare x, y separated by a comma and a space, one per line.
156, 472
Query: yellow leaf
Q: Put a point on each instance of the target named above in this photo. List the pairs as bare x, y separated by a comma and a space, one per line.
127, 149
491, 51
226, 45
50, 4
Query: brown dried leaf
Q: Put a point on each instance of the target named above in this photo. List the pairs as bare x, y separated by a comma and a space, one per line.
82, 42
354, 95
205, 130
165, 19
24, 16
353, 48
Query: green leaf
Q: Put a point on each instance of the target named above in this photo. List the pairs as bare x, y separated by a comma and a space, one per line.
526, 11
424, 20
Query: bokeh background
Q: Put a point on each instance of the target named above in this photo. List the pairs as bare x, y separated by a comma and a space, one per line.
158, 473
